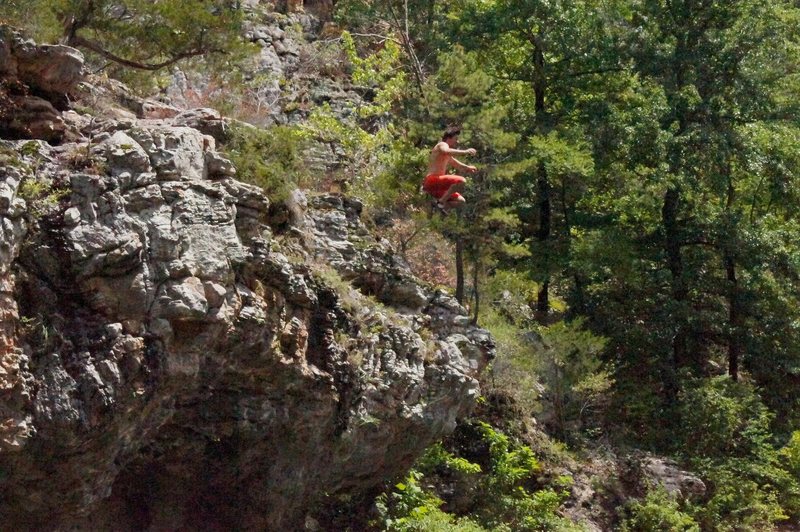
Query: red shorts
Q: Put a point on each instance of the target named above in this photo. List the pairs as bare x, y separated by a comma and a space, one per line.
437, 184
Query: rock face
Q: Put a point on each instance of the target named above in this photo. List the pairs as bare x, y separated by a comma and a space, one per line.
604, 481
36, 82
170, 360
299, 65
646, 471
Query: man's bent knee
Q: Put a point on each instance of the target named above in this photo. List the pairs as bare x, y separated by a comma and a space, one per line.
453, 180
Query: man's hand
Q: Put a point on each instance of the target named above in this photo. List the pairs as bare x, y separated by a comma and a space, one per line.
471, 151
471, 169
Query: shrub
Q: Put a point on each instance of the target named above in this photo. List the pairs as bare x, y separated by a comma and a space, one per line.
500, 496
555, 371
791, 453
727, 438
437, 456
576, 381
743, 498
507, 502
435, 520
272, 159
410, 508
658, 512
724, 418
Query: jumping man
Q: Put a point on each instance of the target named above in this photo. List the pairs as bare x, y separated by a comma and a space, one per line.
444, 187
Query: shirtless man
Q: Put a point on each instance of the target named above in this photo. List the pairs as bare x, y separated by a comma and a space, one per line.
438, 183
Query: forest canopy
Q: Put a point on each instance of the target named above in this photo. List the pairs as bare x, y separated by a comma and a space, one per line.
139, 34
639, 176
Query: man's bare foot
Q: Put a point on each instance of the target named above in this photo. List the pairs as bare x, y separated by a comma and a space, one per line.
452, 204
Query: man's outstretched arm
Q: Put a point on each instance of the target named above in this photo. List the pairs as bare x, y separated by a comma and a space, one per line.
458, 164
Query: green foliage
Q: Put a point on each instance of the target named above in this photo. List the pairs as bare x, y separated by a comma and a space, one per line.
790, 453
396, 186
510, 464
410, 508
437, 456
39, 332
642, 177
421, 19
727, 438
273, 159
743, 500
556, 370
577, 383
45, 26
508, 504
500, 499
10, 158
658, 512
138, 33
41, 194
435, 520
379, 70
507, 319
724, 418
32, 190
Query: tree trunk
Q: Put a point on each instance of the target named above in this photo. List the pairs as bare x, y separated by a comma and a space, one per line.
431, 9
539, 79
475, 272
75, 21
542, 181
543, 299
459, 270
672, 247
734, 319
543, 235
735, 314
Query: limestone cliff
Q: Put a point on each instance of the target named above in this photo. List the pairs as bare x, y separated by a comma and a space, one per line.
177, 354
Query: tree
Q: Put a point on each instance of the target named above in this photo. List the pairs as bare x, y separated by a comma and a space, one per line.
461, 92
707, 56
413, 22
140, 34
549, 54
688, 268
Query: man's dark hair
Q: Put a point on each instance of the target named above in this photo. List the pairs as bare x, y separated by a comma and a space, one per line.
450, 132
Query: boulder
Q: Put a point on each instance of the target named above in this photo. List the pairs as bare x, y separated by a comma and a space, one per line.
656, 471
53, 70
35, 81
207, 121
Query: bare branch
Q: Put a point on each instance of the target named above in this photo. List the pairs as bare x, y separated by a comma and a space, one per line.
380, 37
596, 71
79, 41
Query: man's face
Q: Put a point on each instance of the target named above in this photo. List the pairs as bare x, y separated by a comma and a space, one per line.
452, 141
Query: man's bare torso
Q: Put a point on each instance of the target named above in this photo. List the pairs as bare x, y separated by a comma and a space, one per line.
439, 160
